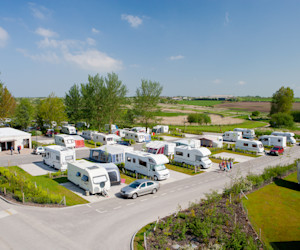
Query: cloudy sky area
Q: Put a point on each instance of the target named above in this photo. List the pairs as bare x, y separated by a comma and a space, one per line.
191, 47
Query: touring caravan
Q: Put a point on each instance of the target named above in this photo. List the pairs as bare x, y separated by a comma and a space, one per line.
147, 164
289, 136
214, 141
272, 140
110, 153
161, 147
249, 145
232, 136
136, 136
246, 133
88, 134
89, 176
140, 129
160, 129
121, 132
64, 140
106, 139
79, 141
193, 156
58, 156
193, 143
113, 128
70, 130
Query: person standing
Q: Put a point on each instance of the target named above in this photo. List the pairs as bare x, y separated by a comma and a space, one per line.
19, 149
11, 150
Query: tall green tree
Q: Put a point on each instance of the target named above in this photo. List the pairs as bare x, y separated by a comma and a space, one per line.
282, 101
146, 102
7, 102
24, 113
73, 104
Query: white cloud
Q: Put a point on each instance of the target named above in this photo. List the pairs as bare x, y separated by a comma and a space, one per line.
48, 56
134, 21
39, 11
3, 37
241, 82
179, 57
95, 31
217, 81
45, 32
91, 41
226, 22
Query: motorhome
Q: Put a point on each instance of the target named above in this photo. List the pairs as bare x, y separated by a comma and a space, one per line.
289, 136
193, 143
214, 141
70, 130
90, 176
64, 140
161, 147
147, 164
106, 139
112, 127
249, 145
58, 156
121, 132
193, 156
110, 153
273, 140
246, 133
140, 129
137, 136
88, 134
160, 129
232, 136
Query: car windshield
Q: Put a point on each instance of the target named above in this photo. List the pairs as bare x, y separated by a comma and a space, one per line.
275, 148
134, 184
160, 167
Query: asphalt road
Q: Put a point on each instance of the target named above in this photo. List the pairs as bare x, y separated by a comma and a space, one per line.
110, 224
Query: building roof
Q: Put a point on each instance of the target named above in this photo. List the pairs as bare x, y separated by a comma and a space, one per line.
11, 132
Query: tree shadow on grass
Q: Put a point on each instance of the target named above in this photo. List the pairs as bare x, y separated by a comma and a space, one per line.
290, 245
287, 184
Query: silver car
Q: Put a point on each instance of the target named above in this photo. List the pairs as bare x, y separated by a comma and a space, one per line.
39, 150
140, 187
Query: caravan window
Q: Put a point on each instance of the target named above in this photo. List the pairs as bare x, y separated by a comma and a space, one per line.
78, 174
198, 158
62, 140
179, 153
99, 179
133, 160
246, 144
129, 159
254, 145
85, 178
57, 157
188, 155
143, 163
113, 177
69, 157
109, 139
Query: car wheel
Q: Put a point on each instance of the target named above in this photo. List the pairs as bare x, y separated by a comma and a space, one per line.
155, 178
154, 191
134, 196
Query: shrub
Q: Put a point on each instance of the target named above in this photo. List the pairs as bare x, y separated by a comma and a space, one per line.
296, 116
281, 120
255, 113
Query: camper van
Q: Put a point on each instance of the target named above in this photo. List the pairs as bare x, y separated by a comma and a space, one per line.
58, 156
160, 129
64, 140
110, 153
232, 136
70, 130
88, 134
161, 147
89, 176
289, 136
249, 145
106, 139
193, 156
136, 136
272, 140
147, 164
214, 141
246, 133
193, 143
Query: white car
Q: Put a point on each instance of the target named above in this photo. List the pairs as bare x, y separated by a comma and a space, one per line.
39, 150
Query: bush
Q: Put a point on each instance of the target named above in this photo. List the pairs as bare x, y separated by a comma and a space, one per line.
199, 118
281, 120
255, 113
296, 116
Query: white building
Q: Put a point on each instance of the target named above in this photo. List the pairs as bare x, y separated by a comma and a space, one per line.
10, 137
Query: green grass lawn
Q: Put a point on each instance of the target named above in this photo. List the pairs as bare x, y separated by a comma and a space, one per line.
127, 178
275, 209
52, 186
206, 103
169, 114
232, 152
182, 169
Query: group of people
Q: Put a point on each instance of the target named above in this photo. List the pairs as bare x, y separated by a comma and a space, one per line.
225, 165
12, 149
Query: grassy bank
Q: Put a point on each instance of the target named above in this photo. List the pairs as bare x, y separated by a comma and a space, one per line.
182, 169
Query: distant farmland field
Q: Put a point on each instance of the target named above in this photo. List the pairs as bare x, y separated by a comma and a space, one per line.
206, 103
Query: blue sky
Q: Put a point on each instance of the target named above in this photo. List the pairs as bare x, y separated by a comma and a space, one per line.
194, 48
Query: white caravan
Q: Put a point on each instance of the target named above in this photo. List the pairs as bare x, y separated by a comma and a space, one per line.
113, 128
58, 156
161, 147
215, 141
88, 134
232, 136
70, 130
121, 132
64, 140
289, 136
106, 139
250, 145
247, 133
272, 140
160, 129
193, 143
90, 176
136, 136
147, 164
193, 156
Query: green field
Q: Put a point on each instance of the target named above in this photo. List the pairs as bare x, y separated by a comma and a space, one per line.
206, 103
275, 210
169, 114
258, 99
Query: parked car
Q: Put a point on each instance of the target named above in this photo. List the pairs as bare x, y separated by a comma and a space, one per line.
140, 187
276, 151
39, 150
50, 132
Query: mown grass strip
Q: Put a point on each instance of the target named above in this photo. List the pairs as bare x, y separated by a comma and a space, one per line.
182, 169
127, 178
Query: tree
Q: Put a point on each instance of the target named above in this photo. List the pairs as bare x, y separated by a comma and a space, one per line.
73, 104
281, 120
255, 113
282, 101
146, 101
7, 102
24, 113
199, 118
